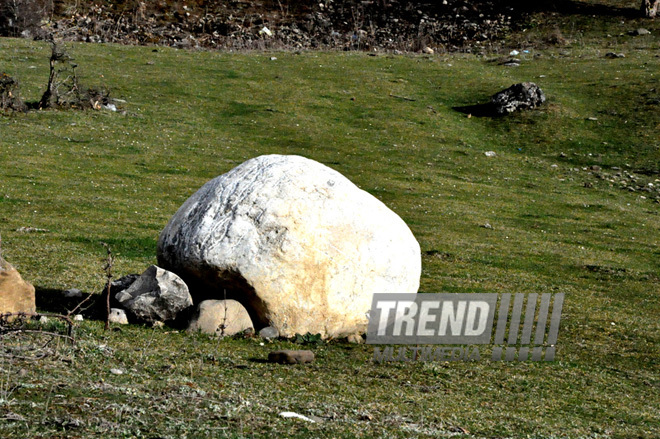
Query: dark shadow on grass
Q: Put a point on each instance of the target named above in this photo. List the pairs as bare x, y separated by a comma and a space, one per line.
479, 110
258, 360
56, 301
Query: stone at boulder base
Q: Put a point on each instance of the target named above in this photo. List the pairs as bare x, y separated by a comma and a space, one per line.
287, 356
220, 317
269, 333
525, 95
16, 295
296, 242
157, 295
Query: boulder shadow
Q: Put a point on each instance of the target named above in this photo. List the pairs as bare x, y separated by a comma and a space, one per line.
478, 110
57, 301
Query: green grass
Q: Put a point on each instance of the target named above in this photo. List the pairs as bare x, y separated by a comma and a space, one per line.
91, 176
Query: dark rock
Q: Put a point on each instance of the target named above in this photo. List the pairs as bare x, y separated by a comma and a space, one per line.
291, 357
521, 96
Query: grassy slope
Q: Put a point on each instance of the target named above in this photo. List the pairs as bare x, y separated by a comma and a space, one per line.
101, 176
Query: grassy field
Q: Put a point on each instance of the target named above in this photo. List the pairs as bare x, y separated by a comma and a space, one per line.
562, 221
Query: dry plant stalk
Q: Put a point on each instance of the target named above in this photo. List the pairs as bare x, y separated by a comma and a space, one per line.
108, 272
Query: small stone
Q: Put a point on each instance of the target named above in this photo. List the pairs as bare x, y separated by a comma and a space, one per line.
78, 318
613, 55
428, 50
273, 58
356, 339
118, 316
43, 319
640, 31
269, 332
291, 357
592, 118
487, 226
596, 168
490, 154
116, 371
554, 166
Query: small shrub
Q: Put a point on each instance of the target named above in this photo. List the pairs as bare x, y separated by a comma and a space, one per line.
10, 98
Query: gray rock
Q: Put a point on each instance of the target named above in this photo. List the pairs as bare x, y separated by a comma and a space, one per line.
296, 242
525, 95
220, 317
291, 357
157, 295
118, 316
269, 332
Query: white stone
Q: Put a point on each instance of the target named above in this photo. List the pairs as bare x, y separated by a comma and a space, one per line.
118, 316
296, 416
297, 243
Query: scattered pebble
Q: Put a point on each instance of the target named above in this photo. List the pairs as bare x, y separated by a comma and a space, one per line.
640, 31
31, 230
78, 318
295, 415
490, 154
116, 371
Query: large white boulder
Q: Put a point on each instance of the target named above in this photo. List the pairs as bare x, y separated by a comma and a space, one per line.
297, 243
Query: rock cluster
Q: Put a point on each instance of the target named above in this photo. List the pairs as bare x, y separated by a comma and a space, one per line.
525, 95
297, 243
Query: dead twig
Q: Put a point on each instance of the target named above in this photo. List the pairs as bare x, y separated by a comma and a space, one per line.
402, 97
108, 272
